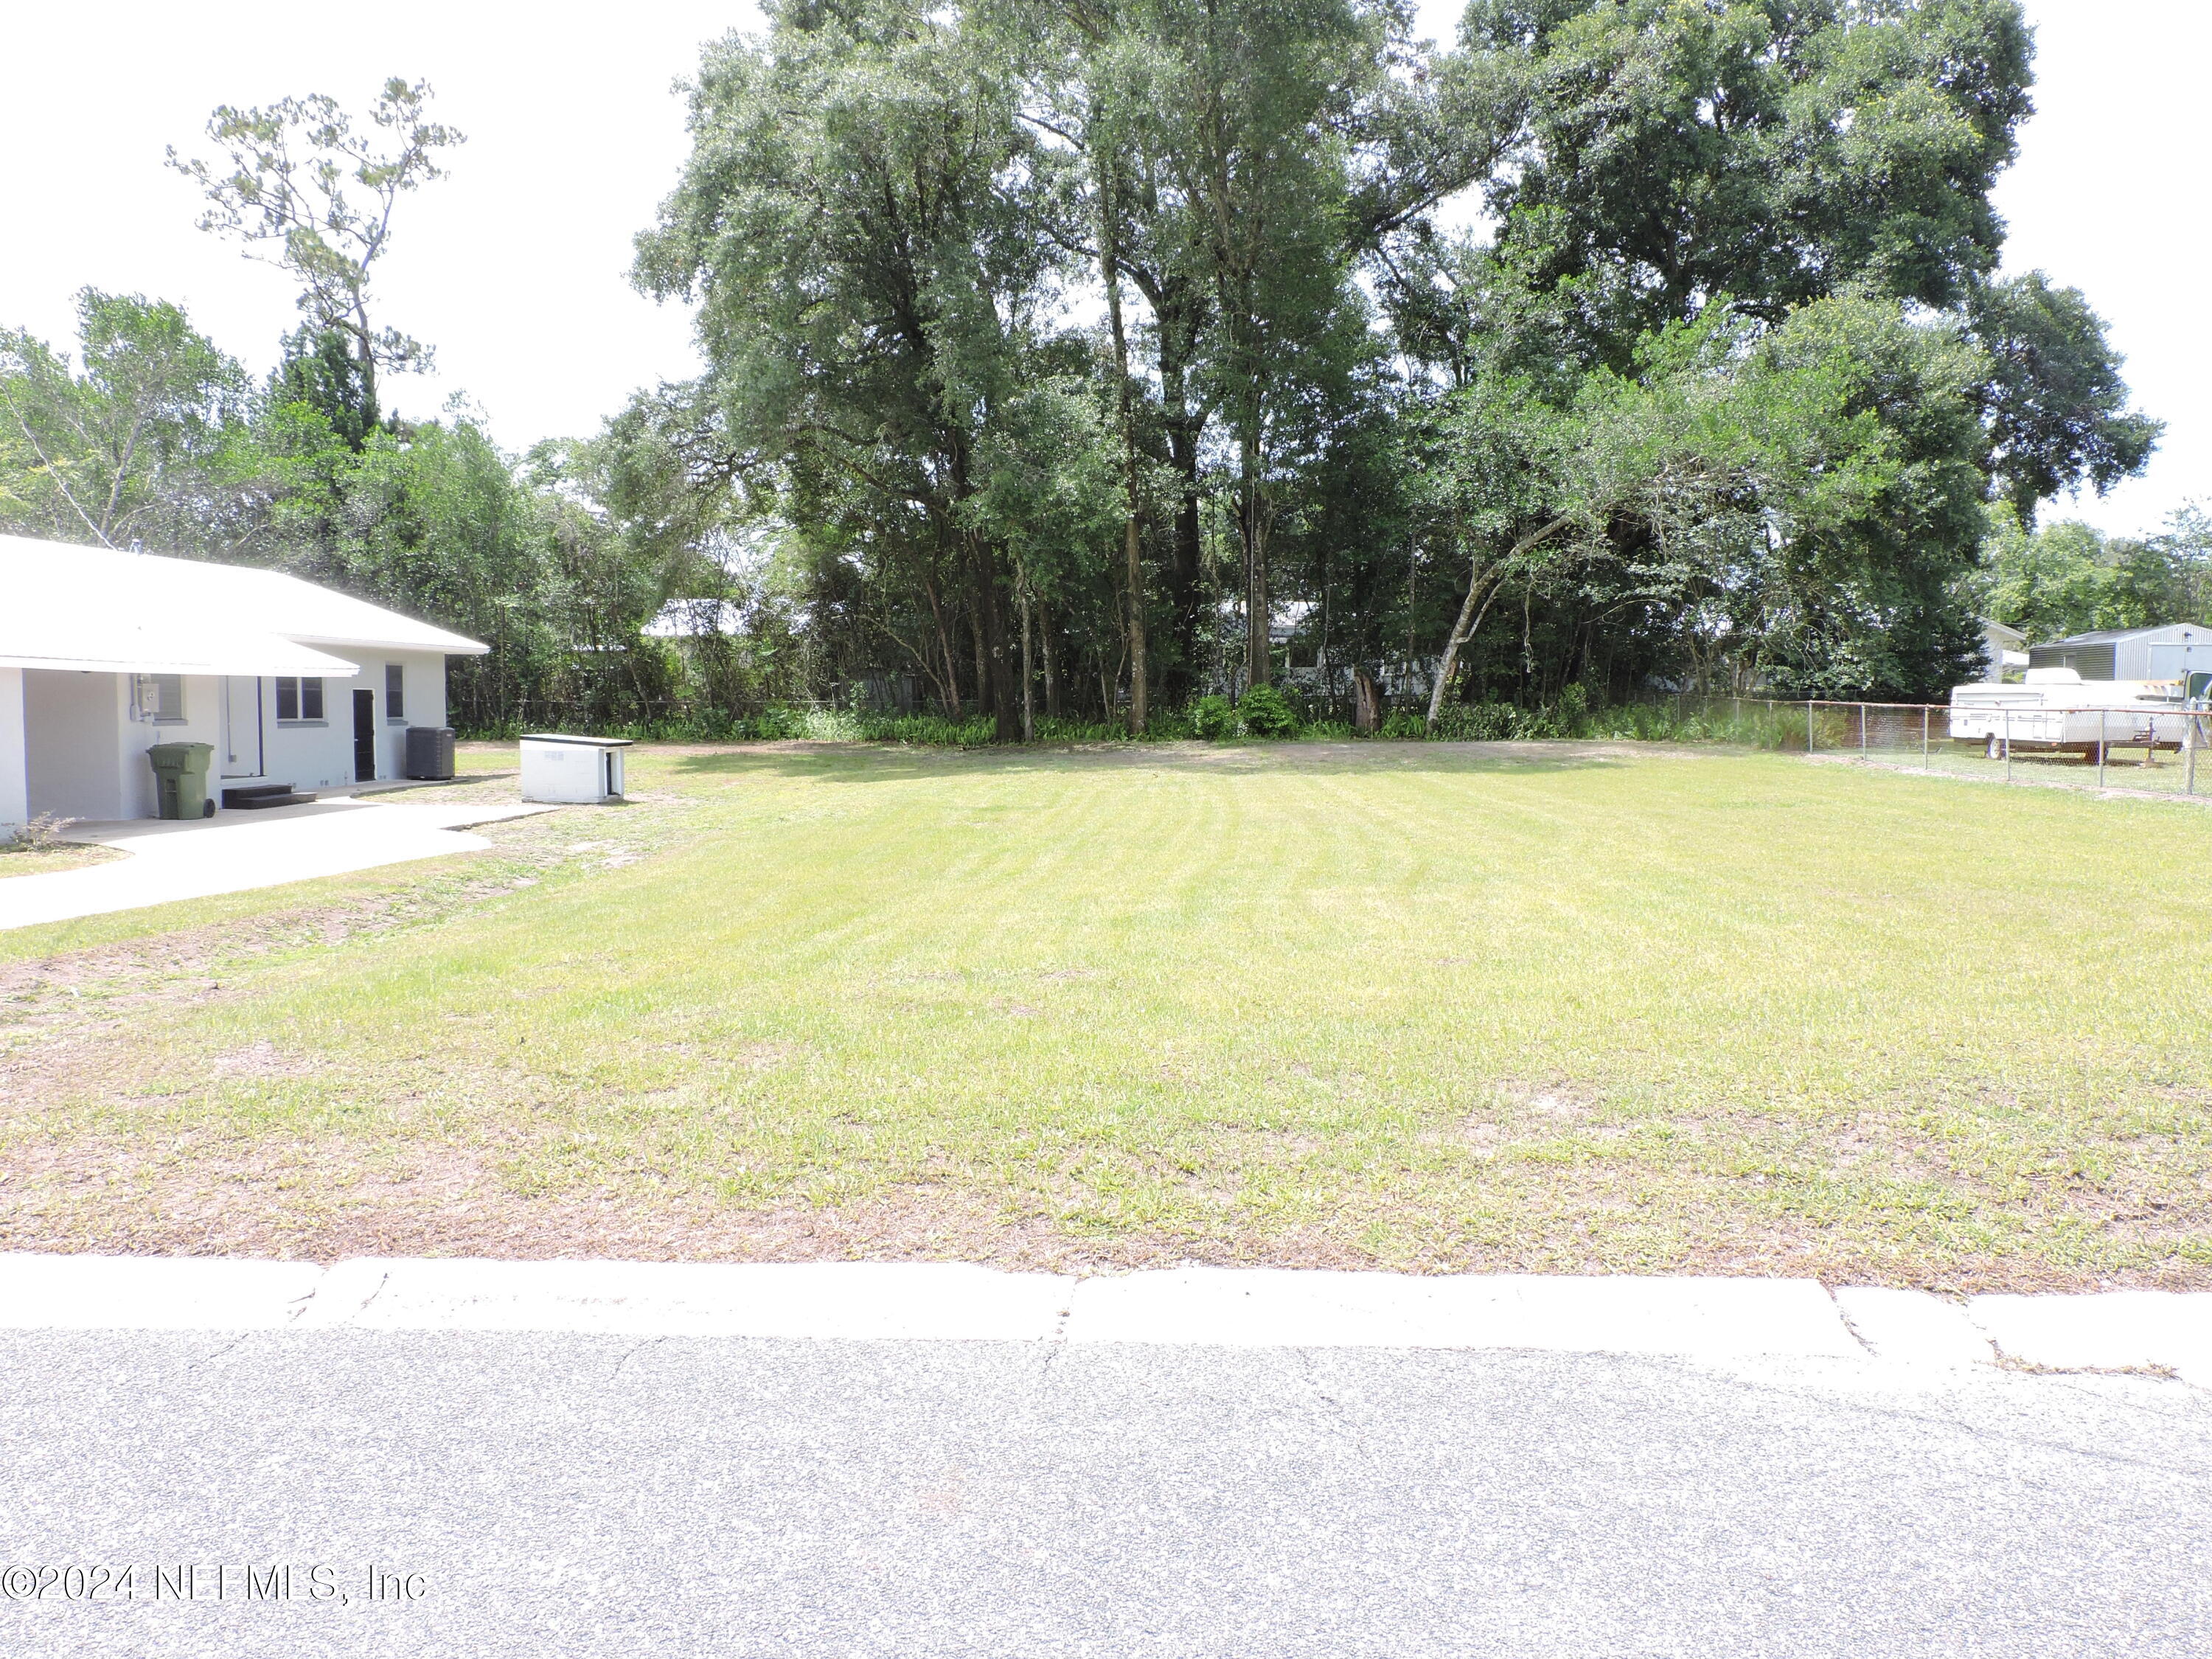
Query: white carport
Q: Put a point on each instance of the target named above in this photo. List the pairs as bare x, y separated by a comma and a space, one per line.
78, 715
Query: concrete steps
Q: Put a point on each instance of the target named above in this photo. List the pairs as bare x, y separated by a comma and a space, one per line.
252, 796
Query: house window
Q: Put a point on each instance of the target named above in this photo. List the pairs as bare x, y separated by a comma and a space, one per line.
159, 698
299, 699
395, 691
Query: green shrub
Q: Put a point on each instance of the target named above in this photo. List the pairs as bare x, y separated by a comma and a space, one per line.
43, 833
1750, 721
1478, 722
1214, 719
1534, 725
928, 731
1267, 713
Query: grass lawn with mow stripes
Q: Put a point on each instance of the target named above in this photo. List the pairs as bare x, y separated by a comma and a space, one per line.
1567, 1006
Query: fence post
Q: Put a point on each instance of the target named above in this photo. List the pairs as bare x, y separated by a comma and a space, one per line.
2189, 758
2100, 749
1808, 726
2007, 744
1863, 752
1923, 734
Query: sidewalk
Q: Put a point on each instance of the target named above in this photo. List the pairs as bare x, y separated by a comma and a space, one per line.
234, 852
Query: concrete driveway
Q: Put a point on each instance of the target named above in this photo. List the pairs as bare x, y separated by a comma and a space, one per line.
234, 852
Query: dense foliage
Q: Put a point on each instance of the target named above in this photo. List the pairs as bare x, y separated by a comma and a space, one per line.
1090, 361
1722, 395
2067, 578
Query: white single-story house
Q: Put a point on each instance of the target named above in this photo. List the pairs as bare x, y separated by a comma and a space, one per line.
2003, 647
104, 654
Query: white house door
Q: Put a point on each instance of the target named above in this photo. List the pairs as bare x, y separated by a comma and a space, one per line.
241, 755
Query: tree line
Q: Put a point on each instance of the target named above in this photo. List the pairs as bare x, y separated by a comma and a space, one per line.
1081, 358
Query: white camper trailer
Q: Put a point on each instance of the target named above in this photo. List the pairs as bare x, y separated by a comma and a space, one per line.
2057, 709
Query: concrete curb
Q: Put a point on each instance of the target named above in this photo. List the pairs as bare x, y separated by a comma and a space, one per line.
2110, 1330
1265, 1307
151, 1293
1913, 1328
1723, 1319
862, 1301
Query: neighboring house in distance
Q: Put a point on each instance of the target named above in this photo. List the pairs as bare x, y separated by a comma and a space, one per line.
2171, 653
695, 619
104, 654
2003, 647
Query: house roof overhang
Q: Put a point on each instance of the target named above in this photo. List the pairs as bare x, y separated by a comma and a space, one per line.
179, 645
64, 605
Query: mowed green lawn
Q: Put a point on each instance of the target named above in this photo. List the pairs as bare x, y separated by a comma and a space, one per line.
1551, 1007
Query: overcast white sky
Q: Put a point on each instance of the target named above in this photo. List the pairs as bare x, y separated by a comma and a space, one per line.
514, 266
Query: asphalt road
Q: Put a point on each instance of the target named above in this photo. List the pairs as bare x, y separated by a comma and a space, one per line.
539, 1495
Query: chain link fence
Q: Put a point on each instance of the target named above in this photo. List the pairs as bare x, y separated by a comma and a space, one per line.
2153, 750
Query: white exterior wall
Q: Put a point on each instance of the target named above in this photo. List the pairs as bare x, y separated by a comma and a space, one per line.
425, 674
73, 740
68, 743
85, 752
15, 772
308, 754
318, 755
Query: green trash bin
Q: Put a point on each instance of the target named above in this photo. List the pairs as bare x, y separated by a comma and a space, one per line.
181, 772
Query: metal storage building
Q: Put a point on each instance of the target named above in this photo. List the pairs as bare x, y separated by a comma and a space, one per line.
2171, 653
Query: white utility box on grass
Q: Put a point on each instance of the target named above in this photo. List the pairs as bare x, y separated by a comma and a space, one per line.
572, 770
